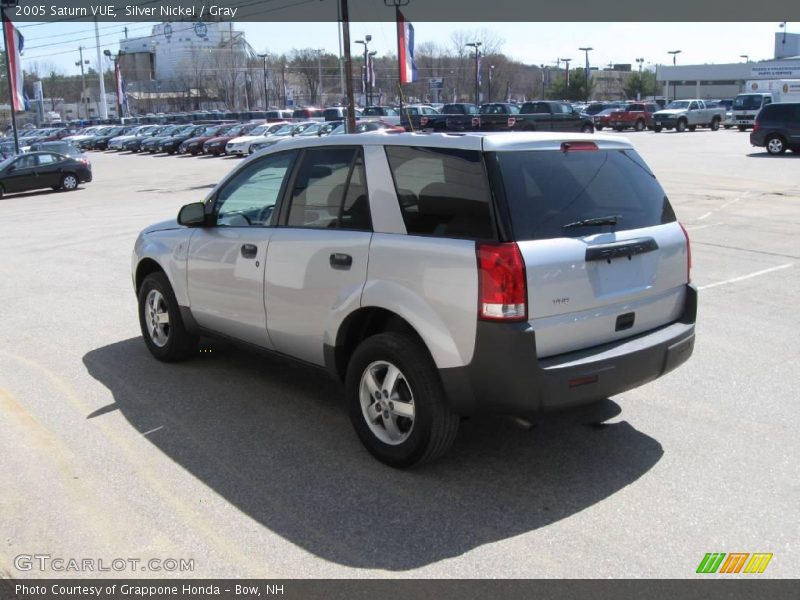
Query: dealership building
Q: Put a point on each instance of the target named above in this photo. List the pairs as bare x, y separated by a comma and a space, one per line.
727, 80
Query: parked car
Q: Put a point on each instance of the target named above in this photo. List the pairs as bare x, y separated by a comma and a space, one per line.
454, 117
601, 119
435, 288
286, 132
777, 128
242, 145
172, 144
216, 145
38, 170
595, 108
278, 115
100, 142
412, 115
135, 144
64, 148
151, 144
308, 112
367, 126
387, 113
118, 142
688, 114
636, 115
194, 145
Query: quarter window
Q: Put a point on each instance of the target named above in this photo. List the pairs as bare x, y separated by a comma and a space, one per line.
442, 192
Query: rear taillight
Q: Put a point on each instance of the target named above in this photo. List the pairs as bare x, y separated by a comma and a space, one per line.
688, 254
502, 291
756, 126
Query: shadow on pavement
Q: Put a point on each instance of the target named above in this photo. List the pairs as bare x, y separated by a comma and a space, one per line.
272, 437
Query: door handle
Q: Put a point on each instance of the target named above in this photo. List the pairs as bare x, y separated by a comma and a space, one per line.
249, 250
341, 261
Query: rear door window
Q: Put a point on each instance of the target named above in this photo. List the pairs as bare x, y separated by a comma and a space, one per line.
546, 190
442, 192
330, 191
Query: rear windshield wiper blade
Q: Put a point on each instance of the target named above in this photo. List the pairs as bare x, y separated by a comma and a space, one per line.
609, 220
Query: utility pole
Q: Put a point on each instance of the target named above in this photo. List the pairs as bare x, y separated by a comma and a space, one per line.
319, 74
348, 66
477, 46
566, 61
266, 91
103, 104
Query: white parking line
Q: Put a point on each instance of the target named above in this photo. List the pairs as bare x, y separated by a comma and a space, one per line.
743, 277
705, 216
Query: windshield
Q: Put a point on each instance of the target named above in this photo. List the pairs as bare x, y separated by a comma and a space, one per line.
547, 190
748, 102
311, 130
678, 104
260, 130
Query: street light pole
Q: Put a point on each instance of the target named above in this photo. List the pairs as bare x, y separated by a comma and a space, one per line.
674, 62
477, 46
566, 61
491, 75
80, 64
640, 61
3, 5
586, 73
266, 91
746, 57
117, 76
365, 79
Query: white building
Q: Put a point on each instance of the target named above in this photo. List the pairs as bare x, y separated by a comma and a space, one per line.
175, 48
727, 80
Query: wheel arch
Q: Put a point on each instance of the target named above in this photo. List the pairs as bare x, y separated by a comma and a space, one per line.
145, 267
358, 326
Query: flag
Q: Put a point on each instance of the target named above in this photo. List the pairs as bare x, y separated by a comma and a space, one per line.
405, 50
371, 71
121, 99
15, 40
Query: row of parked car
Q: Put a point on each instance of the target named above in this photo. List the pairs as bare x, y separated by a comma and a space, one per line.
215, 139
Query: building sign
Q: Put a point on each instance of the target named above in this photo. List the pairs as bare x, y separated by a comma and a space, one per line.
775, 71
435, 83
201, 30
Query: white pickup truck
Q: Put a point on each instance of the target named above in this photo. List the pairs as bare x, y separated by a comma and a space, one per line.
688, 114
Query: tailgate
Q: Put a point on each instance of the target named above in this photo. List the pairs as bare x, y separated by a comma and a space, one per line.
604, 255
588, 291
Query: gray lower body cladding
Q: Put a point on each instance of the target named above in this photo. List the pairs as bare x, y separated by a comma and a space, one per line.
505, 375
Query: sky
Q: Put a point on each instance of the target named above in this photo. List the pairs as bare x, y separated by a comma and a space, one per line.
56, 44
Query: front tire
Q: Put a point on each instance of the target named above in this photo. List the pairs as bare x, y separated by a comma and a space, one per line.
396, 402
775, 145
681, 126
742, 127
587, 128
639, 125
657, 128
164, 332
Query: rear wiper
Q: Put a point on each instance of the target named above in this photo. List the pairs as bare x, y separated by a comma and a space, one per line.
609, 220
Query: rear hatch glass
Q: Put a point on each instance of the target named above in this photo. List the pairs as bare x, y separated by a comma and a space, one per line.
584, 275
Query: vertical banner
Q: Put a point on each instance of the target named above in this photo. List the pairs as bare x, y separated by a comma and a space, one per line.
15, 43
122, 101
405, 50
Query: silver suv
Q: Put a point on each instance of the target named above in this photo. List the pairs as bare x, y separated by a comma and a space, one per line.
437, 275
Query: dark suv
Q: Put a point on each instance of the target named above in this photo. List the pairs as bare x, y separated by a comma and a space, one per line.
777, 127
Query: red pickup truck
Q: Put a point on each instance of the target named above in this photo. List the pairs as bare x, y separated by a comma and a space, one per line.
636, 115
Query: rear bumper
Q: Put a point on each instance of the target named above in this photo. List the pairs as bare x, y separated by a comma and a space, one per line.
757, 138
505, 375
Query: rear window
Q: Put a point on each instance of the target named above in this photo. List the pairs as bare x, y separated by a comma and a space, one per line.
546, 190
442, 192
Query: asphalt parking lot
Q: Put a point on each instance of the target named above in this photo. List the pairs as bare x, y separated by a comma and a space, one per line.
248, 465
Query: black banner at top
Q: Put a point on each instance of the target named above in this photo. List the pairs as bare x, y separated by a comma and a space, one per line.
496, 11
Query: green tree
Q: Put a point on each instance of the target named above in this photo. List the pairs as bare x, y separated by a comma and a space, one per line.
643, 83
576, 90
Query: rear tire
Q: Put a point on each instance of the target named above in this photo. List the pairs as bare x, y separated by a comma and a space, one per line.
715, 125
69, 182
692, 127
163, 330
587, 128
408, 422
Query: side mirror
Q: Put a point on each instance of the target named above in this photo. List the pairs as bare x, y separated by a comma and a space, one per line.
192, 215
